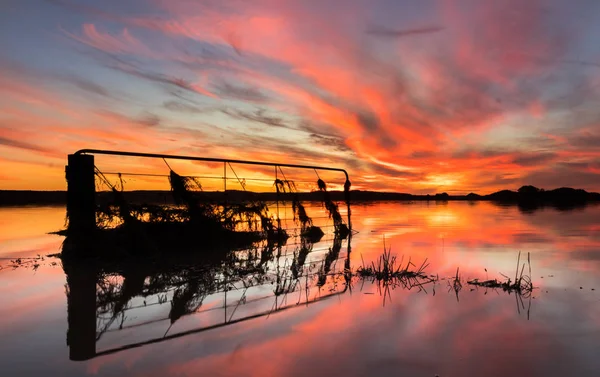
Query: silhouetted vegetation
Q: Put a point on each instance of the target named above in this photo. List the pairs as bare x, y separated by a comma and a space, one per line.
333, 210
389, 273
193, 223
301, 218
521, 285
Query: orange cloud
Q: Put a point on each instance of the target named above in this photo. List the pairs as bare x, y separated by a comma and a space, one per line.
442, 98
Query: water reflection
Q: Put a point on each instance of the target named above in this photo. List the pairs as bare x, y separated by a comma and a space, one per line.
103, 299
107, 299
416, 333
533, 207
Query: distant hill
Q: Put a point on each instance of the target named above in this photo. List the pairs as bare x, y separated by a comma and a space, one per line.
527, 197
530, 197
27, 197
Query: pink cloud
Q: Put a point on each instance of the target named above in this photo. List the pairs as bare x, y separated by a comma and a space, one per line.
404, 102
121, 43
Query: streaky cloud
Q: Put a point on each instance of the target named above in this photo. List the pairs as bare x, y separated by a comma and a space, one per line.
384, 32
20, 144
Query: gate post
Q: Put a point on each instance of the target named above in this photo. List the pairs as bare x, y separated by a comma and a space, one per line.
81, 193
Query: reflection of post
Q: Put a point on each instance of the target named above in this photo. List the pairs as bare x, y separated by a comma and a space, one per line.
347, 267
347, 186
81, 193
81, 309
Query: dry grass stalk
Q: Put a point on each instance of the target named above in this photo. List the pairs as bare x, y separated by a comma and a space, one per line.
333, 210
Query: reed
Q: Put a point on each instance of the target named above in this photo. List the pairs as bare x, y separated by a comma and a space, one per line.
521, 285
388, 268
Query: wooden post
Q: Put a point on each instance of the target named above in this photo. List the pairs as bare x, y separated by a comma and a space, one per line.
81, 193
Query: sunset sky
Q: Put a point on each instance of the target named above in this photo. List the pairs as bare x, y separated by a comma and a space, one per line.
413, 96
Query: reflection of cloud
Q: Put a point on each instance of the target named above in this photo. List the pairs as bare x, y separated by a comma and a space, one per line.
355, 336
529, 237
586, 255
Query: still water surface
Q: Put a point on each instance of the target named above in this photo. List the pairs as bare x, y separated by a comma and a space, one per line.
351, 331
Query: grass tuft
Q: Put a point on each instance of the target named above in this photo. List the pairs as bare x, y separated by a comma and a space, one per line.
390, 271
522, 285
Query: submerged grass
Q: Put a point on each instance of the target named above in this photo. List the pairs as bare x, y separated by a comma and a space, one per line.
388, 267
522, 284
389, 273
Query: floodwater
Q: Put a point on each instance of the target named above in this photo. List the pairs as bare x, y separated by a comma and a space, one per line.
259, 314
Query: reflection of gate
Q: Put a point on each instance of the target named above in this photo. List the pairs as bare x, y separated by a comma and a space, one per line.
147, 306
176, 276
